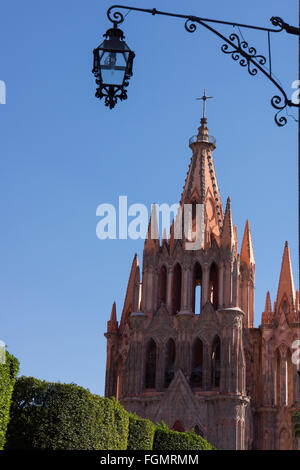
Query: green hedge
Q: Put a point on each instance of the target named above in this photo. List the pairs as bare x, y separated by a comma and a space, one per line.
141, 433
8, 373
55, 416
166, 439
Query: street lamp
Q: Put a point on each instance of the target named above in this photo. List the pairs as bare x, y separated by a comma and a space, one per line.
112, 68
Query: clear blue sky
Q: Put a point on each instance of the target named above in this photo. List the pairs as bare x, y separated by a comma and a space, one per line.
63, 153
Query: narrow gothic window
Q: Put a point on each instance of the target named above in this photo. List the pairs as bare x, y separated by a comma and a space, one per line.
162, 286
194, 210
216, 363
170, 362
284, 306
176, 290
194, 220
213, 285
150, 365
290, 379
278, 372
119, 380
197, 363
197, 288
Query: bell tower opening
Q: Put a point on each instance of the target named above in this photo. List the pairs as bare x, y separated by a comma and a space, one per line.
162, 286
197, 288
176, 290
213, 285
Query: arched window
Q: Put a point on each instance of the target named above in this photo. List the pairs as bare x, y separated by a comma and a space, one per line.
150, 373
197, 363
170, 361
197, 288
162, 286
176, 289
177, 426
216, 363
213, 285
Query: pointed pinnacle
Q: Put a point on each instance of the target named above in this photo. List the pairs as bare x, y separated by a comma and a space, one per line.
286, 279
268, 305
227, 237
113, 315
247, 254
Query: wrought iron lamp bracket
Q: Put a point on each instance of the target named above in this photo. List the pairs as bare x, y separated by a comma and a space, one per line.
234, 45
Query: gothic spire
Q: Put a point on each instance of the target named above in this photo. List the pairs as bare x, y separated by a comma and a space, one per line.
152, 240
267, 315
112, 324
247, 254
228, 235
128, 303
113, 315
201, 186
286, 287
164, 240
268, 305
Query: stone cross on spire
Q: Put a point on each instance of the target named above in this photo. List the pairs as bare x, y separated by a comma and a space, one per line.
204, 98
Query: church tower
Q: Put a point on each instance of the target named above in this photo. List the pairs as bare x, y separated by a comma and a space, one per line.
186, 350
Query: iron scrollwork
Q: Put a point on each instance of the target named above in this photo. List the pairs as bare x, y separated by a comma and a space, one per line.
115, 17
280, 103
235, 46
111, 94
248, 54
190, 25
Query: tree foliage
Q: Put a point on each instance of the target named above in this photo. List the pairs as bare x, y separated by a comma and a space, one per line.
53, 416
8, 373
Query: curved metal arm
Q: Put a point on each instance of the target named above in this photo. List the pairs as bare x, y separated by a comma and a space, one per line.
249, 56
241, 52
118, 17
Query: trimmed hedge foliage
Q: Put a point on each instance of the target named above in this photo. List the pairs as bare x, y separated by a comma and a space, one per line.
141, 433
55, 416
8, 373
167, 439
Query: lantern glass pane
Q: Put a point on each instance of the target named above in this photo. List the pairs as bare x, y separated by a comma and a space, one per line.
113, 66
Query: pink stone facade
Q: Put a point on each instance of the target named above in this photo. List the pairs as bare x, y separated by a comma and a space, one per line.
186, 350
